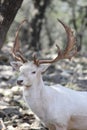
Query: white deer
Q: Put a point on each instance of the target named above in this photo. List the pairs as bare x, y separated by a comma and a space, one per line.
58, 107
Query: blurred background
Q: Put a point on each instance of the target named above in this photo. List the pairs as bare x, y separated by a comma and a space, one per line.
40, 34
42, 31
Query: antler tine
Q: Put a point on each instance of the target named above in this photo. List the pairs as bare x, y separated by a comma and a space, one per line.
16, 47
71, 43
69, 51
36, 61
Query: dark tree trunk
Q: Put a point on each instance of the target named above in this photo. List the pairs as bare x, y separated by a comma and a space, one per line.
8, 11
36, 22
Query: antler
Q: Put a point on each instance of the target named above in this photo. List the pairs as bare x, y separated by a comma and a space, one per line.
69, 51
17, 54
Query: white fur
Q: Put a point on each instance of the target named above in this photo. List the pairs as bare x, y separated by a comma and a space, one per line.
58, 107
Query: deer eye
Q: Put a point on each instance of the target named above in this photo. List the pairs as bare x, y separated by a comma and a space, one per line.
33, 72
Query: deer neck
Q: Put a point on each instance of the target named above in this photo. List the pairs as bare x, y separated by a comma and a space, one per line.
36, 87
39, 84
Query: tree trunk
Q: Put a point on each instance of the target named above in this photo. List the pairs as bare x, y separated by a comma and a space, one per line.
8, 11
36, 22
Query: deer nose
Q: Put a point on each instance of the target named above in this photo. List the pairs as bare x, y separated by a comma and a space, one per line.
19, 82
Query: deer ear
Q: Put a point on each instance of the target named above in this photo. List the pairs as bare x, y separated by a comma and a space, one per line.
43, 67
16, 65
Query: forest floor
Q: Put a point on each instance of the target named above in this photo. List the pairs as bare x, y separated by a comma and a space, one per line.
14, 113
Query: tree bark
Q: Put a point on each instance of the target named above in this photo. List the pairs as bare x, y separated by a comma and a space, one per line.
36, 22
8, 11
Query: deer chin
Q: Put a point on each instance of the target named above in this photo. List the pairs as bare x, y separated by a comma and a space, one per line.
28, 86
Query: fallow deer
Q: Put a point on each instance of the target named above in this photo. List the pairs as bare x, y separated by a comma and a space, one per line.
60, 108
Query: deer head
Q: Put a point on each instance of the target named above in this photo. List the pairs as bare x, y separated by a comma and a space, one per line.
30, 71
